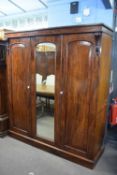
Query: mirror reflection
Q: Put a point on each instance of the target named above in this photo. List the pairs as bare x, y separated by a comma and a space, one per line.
45, 90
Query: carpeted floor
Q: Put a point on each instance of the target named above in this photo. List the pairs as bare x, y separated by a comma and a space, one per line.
18, 158
45, 127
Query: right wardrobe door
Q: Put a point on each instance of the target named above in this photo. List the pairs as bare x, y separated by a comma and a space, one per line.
78, 55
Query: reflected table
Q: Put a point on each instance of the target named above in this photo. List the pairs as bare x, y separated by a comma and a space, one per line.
45, 91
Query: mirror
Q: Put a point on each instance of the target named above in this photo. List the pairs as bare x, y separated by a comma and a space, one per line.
45, 90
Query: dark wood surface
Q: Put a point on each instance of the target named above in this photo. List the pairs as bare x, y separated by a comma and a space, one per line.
78, 55
3, 100
81, 89
3, 106
19, 66
103, 91
63, 30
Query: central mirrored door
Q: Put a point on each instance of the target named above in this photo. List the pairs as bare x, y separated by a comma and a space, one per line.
45, 89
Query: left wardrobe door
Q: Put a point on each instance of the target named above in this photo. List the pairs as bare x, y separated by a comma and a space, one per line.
19, 67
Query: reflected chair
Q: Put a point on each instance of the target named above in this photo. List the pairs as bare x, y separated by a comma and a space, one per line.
50, 81
39, 101
38, 82
38, 79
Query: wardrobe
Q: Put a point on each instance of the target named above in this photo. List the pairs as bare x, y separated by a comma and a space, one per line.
3, 90
67, 117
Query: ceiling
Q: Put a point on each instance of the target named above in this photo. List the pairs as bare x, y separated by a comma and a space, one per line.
10, 7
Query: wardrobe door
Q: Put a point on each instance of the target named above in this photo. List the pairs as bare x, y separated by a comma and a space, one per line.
47, 86
19, 59
78, 55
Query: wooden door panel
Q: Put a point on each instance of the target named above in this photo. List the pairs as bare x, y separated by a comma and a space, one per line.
78, 79
20, 69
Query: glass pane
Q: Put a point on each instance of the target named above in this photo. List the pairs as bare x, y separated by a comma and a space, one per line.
45, 90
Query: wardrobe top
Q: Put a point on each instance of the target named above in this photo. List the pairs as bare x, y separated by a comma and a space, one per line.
92, 28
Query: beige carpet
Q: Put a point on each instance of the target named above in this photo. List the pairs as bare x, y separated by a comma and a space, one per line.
45, 127
18, 158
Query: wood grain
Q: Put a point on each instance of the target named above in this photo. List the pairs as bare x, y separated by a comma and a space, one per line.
82, 67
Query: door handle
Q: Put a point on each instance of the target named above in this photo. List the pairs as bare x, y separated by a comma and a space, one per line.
28, 87
61, 92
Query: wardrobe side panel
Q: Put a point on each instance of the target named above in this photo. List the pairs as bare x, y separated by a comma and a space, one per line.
103, 91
